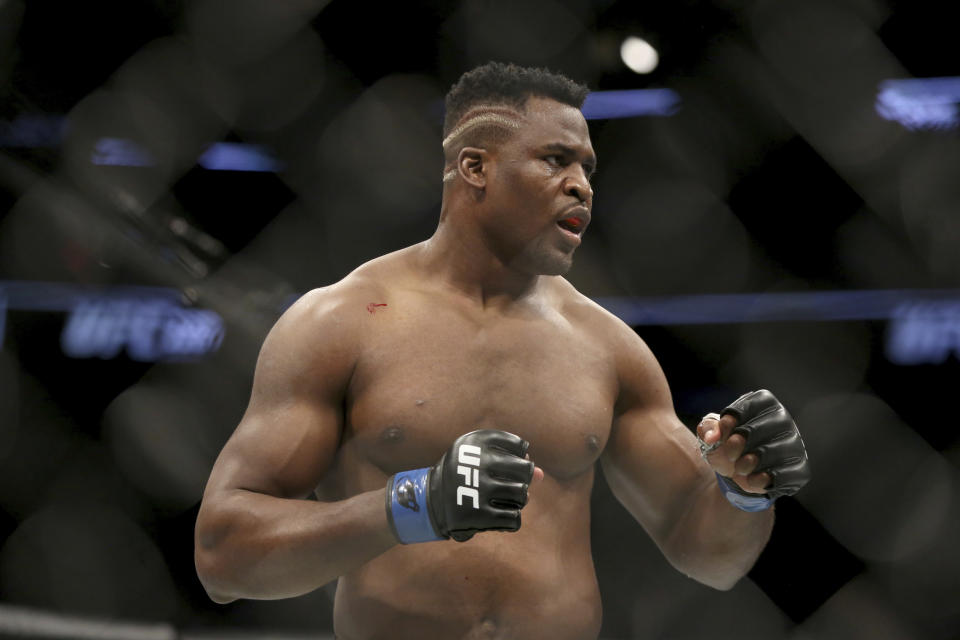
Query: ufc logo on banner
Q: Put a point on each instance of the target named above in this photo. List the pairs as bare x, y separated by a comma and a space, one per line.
469, 458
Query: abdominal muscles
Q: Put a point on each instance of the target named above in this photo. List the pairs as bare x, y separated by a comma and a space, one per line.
538, 582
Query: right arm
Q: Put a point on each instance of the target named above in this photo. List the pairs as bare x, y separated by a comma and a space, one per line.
256, 536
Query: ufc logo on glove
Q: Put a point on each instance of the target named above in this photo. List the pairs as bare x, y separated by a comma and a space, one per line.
469, 455
479, 484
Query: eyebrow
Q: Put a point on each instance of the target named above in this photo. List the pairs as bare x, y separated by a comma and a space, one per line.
571, 152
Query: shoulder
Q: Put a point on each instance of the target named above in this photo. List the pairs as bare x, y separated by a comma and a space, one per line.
332, 321
587, 315
358, 295
317, 341
638, 371
334, 308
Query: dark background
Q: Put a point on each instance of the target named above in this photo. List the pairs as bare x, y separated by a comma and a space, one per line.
776, 175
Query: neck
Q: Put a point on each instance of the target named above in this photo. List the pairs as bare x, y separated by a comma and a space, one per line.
459, 255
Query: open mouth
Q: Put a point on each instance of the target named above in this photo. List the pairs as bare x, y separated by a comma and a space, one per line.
573, 225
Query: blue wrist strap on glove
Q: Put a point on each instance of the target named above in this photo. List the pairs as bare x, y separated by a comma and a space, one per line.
407, 510
737, 498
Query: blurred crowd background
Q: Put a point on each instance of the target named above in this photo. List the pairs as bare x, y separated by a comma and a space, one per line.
173, 174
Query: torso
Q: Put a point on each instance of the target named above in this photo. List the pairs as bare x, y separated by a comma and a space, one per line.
433, 368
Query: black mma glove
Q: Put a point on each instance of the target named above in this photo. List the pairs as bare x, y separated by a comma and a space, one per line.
772, 436
480, 484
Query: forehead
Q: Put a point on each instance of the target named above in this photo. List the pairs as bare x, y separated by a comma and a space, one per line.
548, 121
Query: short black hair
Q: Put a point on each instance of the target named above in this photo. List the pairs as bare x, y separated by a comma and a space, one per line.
510, 85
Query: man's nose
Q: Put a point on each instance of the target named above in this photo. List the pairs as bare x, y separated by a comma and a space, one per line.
578, 186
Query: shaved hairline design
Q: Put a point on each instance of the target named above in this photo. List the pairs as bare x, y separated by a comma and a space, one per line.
486, 115
497, 116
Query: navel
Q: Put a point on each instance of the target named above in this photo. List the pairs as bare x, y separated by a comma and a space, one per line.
487, 628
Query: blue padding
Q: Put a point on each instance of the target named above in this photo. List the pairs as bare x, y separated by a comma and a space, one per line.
409, 513
740, 501
628, 103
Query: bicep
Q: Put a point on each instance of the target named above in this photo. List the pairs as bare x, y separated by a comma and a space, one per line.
652, 461
291, 429
278, 451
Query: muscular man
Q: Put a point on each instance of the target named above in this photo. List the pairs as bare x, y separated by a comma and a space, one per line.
415, 396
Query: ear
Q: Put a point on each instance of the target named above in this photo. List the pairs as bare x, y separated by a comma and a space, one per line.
472, 165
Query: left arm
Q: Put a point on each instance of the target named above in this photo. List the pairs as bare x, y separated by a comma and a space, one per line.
653, 465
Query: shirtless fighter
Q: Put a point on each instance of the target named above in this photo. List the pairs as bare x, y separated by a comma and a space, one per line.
422, 396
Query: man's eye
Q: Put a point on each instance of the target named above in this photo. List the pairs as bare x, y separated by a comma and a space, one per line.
554, 160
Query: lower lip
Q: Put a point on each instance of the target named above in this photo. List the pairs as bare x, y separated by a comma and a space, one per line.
573, 237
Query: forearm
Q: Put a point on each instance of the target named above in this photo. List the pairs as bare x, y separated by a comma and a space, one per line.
714, 542
251, 545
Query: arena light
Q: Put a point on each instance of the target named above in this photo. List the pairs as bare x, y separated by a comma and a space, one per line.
630, 103
920, 103
639, 55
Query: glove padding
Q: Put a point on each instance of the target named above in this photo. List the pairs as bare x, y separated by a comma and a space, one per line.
772, 436
479, 484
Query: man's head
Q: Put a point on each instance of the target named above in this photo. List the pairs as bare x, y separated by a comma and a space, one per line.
487, 104
518, 162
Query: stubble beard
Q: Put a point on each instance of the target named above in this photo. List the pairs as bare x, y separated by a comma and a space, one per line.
538, 258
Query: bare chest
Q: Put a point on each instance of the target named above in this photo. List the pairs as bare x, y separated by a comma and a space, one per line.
424, 379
